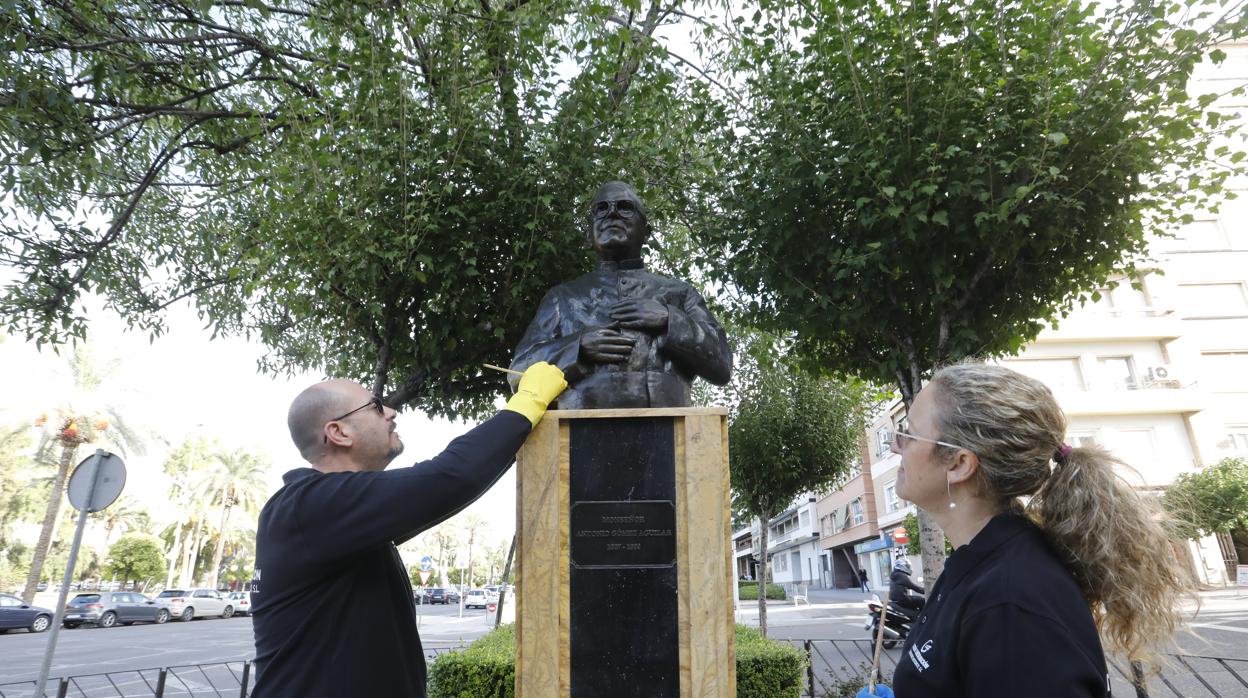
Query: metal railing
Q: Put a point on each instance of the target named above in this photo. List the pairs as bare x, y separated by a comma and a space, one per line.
832, 665
223, 680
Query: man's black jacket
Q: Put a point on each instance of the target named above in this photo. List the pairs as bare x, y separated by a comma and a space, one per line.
333, 613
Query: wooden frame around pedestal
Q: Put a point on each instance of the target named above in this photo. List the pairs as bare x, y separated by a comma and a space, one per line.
704, 555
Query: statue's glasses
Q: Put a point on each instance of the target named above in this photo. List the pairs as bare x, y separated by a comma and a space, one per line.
624, 207
375, 403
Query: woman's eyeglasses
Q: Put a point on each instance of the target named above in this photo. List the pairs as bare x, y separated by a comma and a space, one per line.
902, 438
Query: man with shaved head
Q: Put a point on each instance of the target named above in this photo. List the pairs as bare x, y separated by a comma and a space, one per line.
331, 599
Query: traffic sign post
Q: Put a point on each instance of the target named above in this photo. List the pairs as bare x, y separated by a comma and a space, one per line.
95, 484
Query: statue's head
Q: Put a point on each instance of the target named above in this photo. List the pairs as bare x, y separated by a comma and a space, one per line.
618, 226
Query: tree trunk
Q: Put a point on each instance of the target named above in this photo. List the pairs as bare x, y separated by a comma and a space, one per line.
931, 538
175, 554
49, 523
764, 566
219, 548
191, 556
502, 596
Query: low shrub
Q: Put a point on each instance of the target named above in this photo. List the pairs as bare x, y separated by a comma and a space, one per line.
767, 668
484, 669
749, 591
487, 668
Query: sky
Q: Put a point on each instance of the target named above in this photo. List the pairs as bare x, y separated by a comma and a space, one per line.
184, 382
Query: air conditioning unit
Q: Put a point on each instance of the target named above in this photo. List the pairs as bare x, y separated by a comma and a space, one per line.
1161, 376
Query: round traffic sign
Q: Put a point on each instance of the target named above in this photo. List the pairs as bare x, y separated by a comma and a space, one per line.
901, 536
97, 482
426, 564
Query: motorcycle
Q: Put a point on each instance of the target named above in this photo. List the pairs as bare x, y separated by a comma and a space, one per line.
897, 623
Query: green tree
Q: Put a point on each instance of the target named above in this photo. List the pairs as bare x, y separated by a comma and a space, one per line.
790, 433
1211, 501
84, 416
135, 556
237, 480
375, 190
914, 183
122, 516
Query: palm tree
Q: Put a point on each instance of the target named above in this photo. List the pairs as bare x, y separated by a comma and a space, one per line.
473, 524
186, 466
82, 416
125, 515
238, 480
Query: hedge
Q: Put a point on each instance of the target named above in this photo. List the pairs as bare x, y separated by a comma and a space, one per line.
484, 669
487, 668
749, 591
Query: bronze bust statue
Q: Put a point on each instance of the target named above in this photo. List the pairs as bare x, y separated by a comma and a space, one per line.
623, 336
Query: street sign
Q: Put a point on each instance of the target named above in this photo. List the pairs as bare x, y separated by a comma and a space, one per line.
424, 576
901, 536
92, 491
426, 564
1241, 576
95, 484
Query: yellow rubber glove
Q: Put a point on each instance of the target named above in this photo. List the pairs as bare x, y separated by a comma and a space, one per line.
539, 386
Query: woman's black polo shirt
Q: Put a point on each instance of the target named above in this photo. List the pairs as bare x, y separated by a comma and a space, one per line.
1005, 618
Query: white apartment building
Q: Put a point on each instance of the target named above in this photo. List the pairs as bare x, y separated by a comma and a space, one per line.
792, 543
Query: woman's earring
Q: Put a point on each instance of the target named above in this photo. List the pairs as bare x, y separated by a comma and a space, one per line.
949, 491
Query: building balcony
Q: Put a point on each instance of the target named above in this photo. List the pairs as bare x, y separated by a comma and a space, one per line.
1168, 396
1092, 325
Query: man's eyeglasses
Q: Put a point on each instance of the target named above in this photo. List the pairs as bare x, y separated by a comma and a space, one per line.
375, 403
902, 438
624, 207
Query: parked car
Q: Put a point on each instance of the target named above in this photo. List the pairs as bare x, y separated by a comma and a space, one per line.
15, 613
452, 595
476, 598
108, 608
435, 595
185, 604
491, 594
241, 601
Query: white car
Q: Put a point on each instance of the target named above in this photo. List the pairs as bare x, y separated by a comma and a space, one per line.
185, 604
477, 598
241, 601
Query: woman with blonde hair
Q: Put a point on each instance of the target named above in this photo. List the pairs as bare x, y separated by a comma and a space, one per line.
1029, 590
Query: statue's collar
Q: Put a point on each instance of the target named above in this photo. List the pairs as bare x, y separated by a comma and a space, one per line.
612, 265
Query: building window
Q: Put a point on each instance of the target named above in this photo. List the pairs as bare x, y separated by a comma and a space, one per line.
1227, 299
1117, 372
1080, 439
805, 520
883, 438
782, 562
855, 508
1224, 371
1238, 436
1200, 236
1136, 447
1058, 374
891, 503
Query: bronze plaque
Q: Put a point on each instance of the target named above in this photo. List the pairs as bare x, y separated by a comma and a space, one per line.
616, 535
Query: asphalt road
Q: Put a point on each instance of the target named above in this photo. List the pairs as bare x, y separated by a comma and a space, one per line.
1221, 630
92, 650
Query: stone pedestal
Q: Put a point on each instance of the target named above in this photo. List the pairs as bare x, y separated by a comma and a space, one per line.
624, 556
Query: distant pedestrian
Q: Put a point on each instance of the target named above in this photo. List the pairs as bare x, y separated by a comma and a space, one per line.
1029, 590
863, 581
333, 613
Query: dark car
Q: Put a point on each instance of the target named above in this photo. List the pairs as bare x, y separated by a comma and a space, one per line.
108, 608
436, 595
15, 613
452, 595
